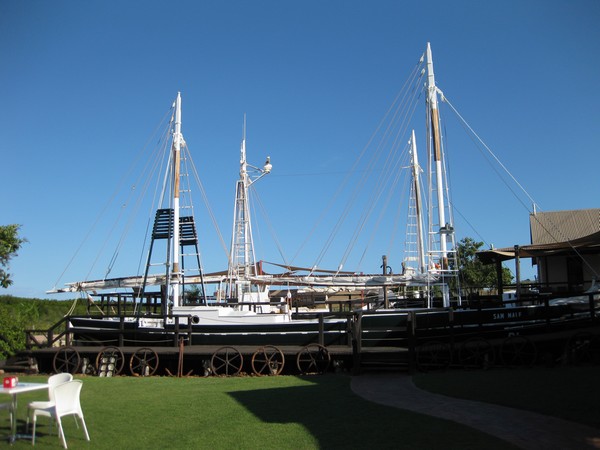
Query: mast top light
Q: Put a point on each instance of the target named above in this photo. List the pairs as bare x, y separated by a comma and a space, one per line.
268, 166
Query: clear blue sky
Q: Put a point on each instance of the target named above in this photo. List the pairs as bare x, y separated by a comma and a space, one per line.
82, 84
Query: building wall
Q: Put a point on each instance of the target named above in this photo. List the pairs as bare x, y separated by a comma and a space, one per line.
553, 272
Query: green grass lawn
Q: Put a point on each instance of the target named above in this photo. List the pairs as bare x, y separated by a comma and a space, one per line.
284, 412
292, 412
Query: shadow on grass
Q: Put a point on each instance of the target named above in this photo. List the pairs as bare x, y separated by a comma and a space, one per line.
337, 418
569, 392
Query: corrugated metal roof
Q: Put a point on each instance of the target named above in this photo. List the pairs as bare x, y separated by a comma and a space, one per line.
561, 226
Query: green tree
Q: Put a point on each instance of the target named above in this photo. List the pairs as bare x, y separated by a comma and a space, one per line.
10, 243
193, 294
473, 274
16, 315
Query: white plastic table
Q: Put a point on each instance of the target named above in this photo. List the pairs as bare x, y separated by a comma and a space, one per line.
14, 392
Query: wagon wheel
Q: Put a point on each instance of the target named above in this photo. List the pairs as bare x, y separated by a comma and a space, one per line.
109, 361
268, 360
518, 351
226, 361
143, 362
66, 359
434, 355
476, 353
313, 358
582, 348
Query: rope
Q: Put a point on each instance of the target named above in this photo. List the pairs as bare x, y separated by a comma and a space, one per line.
391, 119
493, 155
70, 311
210, 211
557, 232
411, 81
111, 199
144, 176
264, 214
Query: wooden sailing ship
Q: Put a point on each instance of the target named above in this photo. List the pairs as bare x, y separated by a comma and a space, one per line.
156, 309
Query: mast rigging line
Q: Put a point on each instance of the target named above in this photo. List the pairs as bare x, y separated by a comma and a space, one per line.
390, 173
386, 203
148, 173
492, 154
112, 197
561, 237
264, 214
208, 208
138, 204
391, 164
453, 207
352, 170
401, 104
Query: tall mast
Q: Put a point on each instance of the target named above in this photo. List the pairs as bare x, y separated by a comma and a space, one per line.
443, 231
416, 172
437, 147
242, 246
177, 141
242, 263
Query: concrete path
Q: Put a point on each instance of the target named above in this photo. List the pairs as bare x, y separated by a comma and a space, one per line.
525, 429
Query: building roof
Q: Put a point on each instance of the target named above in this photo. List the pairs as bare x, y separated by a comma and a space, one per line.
562, 226
553, 233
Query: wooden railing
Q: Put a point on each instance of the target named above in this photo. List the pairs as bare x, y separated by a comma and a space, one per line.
51, 336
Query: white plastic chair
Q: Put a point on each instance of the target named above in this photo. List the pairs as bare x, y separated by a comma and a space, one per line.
53, 381
66, 403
